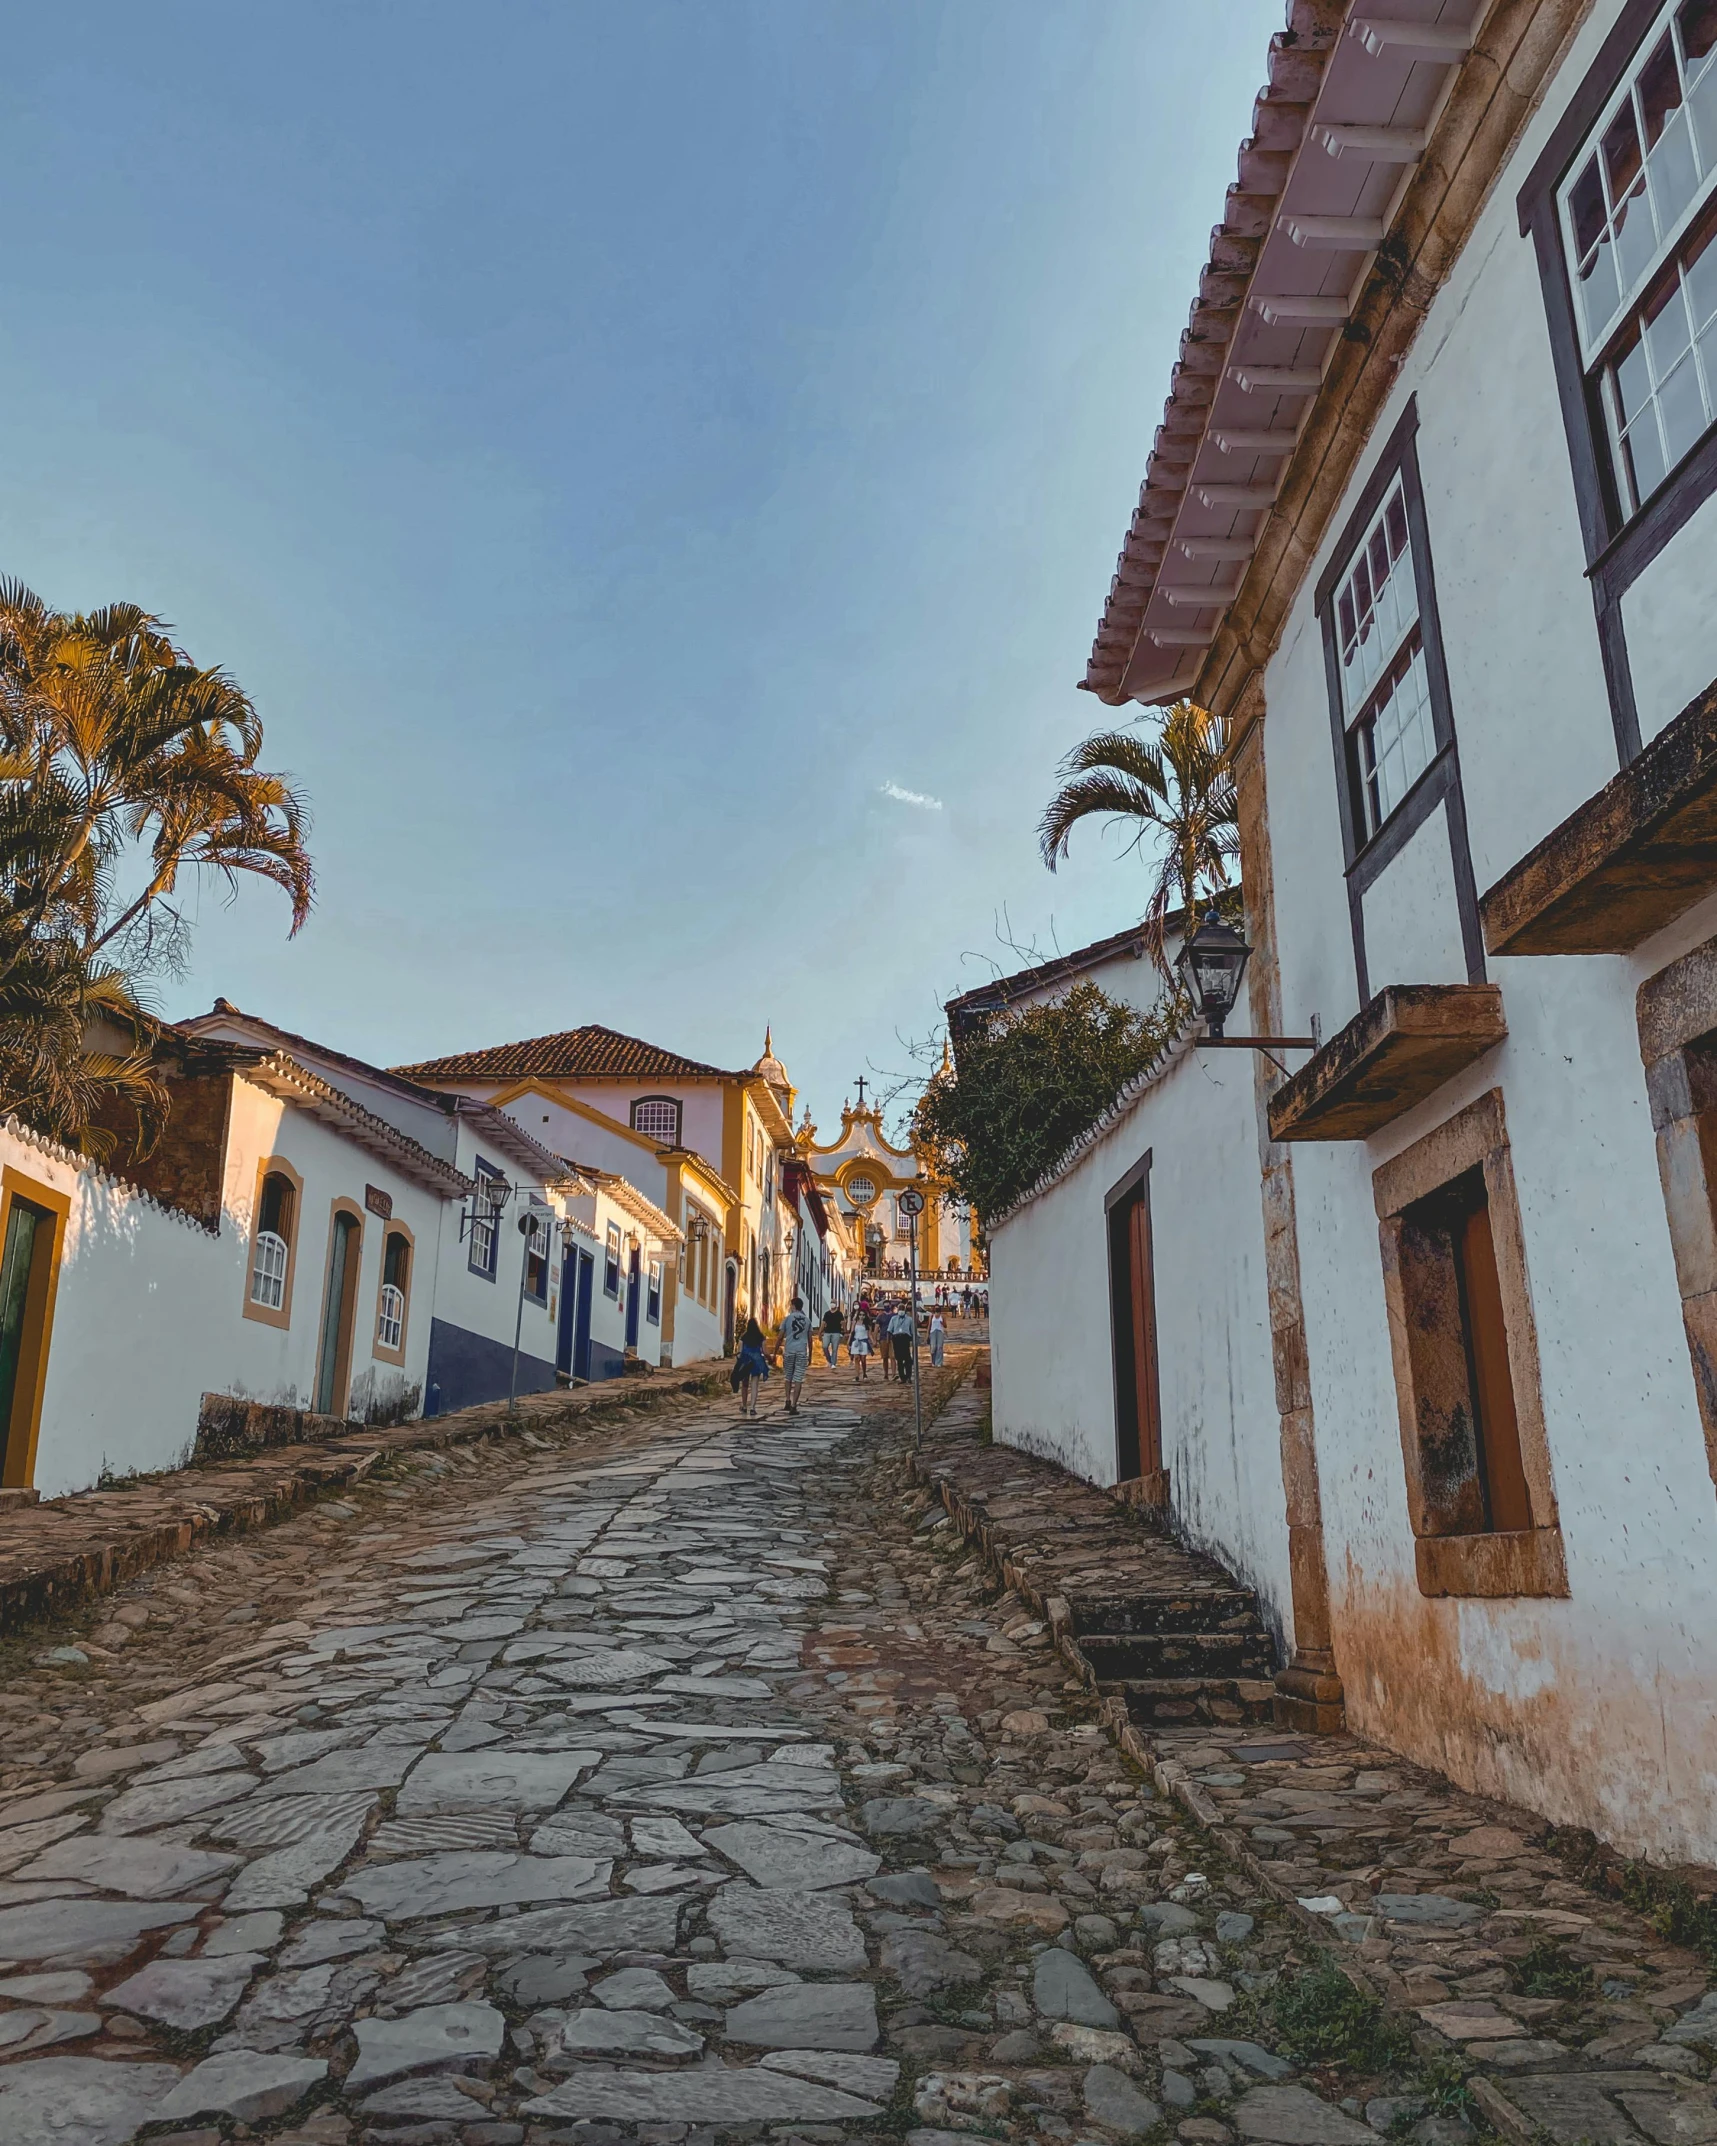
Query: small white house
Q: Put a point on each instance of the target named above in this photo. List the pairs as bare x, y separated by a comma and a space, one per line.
278, 1247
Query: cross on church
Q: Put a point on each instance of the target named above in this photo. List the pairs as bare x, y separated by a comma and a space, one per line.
861, 1091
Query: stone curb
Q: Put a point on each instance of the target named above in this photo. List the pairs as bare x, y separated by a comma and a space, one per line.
40, 1580
1170, 1778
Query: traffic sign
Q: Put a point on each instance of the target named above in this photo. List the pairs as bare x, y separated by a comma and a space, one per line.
911, 1203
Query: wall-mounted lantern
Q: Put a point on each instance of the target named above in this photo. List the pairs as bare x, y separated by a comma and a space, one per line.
1211, 964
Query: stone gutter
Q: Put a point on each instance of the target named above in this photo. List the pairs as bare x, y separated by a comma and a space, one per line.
63, 1552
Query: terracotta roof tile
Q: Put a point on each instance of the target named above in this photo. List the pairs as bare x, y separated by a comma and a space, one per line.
588, 1053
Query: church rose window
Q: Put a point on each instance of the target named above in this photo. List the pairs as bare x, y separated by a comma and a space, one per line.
861, 1190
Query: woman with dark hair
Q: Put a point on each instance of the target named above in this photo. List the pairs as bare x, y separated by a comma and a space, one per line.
751, 1367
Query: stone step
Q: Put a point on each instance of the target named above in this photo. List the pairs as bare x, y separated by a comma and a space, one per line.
1192, 1609
1121, 1655
1169, 1702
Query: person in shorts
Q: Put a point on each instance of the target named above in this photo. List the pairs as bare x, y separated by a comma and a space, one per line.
831, 1337
795, 1352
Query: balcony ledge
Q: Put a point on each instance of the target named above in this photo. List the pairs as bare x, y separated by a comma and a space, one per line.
1390, 1056
1628, 861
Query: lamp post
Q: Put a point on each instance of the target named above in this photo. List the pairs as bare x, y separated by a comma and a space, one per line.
528, 1231
911, 1205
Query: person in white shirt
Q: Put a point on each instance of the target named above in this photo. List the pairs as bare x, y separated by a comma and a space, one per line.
795, 1352
938, 1339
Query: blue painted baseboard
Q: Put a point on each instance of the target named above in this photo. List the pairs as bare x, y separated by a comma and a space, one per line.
605, 1362
466, 1368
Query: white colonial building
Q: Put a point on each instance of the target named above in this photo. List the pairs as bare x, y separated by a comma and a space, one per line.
1429, 1329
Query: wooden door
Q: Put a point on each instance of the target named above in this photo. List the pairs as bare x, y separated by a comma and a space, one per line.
1133, 1327
28, 1232
1143, 1307
334, 1364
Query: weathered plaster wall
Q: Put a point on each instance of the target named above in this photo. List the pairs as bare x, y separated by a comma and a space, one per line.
1053, 1380
1412, 924
143, 1297
1595, 1708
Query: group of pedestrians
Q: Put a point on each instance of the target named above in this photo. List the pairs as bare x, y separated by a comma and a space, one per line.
888, 1332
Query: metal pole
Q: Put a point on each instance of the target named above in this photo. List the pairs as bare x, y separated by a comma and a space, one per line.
917, 1397
519, 1321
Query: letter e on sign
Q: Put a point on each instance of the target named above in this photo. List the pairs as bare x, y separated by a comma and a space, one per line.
379, 1202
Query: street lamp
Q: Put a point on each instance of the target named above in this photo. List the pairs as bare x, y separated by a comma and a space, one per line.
1211, 964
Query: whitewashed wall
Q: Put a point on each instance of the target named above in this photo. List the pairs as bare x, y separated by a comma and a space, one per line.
1595, 1709
144, 1296
1053, 1374
278, 1364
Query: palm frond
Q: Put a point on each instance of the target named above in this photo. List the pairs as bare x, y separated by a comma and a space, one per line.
1177, 786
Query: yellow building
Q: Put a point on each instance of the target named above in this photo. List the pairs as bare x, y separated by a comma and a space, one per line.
862, 1174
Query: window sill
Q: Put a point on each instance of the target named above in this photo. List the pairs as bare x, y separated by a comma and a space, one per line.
1526, 1563
1628, 861
1397, 1050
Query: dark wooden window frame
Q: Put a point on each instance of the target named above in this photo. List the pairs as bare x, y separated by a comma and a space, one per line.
1365, 859
1677, 1013
1618, 548
1130, 1433
1523, 1561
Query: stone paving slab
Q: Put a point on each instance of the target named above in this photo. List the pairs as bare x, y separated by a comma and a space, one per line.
62, 1552
911, 1886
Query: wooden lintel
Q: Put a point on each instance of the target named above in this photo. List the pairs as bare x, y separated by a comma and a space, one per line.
1628, 861
1390, 1056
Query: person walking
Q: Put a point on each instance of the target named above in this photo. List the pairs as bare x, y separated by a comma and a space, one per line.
938, 1339
858, 1346
884, 1327
751, 1367
795, 1352
901, 1334
831, 1337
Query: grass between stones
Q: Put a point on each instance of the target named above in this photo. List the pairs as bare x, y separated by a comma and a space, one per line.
1681, 1907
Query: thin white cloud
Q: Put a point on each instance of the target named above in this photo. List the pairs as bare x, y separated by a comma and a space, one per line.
911, 797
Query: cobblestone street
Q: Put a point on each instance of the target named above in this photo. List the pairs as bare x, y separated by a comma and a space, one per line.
704, 1781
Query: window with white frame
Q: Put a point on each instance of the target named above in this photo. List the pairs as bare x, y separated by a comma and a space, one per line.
653, 1294
1380, 655
396, 1272
611, 1265
537, 1247
1639, 227
485, 1220
271, 1245
657, 1117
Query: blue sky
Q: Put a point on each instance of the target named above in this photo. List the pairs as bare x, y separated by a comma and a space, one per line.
620, 448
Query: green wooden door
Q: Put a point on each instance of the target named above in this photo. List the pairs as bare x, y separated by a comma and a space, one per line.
24, 1235
336, 1309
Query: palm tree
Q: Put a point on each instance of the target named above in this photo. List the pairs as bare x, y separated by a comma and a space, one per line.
1179, 786
123, 767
